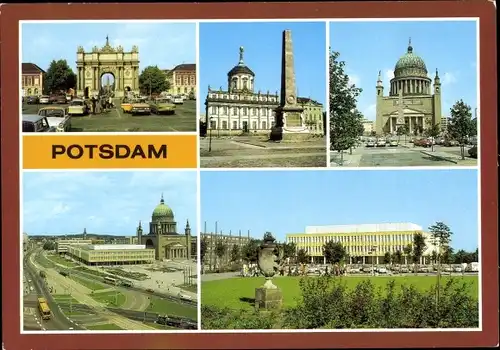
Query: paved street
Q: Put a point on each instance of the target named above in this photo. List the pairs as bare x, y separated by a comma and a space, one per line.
255, 152
403, 155
184, 119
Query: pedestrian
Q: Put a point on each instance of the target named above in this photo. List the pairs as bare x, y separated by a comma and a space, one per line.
94, 102
110, 102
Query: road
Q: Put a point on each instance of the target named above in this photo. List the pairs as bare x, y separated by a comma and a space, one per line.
403, 155
58, 321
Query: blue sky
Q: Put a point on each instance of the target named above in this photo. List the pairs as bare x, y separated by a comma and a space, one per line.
105, 202
288, 201
163, 44
262, 42
370, 47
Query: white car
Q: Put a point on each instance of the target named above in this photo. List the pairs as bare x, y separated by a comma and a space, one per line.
177, 100
371, 143
77, 107
184, 297
381, 143
44, 100
393, 143
382, 270
57, 117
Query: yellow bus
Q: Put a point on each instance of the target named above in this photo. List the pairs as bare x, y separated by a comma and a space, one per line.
44, 308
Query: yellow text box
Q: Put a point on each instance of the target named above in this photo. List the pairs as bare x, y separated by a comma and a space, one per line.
109, 151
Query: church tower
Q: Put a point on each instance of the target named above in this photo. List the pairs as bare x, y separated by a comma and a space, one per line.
187, 232
437, 100
84, 233
139, 233
378, 107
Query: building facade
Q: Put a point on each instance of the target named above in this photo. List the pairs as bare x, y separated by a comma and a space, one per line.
229, 241
368, 127
413, 100
163, 236
365, 242
62, 245
111, 254
182, 79
32, 79
445, 121
240, 109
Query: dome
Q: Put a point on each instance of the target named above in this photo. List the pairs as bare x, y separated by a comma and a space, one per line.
240, 68
162, 211
410, 64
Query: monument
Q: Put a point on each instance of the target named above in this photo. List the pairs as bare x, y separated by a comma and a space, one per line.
290, 123
269, 296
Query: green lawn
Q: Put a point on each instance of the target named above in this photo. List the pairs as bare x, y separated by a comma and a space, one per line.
43, 261
111, 298
167, 307
189, 287
104, 327
64, 302
239, 293
90, 271
61, 261
92, 285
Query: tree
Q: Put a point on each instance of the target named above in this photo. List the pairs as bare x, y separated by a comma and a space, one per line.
235, 253
397, 257
250, 251
407, 251
59, 77
334, 252
289, 250
345, 120
220, 250
460, 257
203, 251
49, 245
447, 256
434, 257
461, 125
387, 258
153, 80
419, 248
373, 133
433, 132
440, 239
302, 256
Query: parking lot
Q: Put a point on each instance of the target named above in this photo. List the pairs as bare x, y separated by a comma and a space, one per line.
405, 154
184, 120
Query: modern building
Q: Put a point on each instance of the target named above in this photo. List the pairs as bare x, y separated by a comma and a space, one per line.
111, 254
163, 236
125, 240
62, 245
365, 242
240, 109
229, 241
368, 127
32, 79
412, 98
182, 79
445, 121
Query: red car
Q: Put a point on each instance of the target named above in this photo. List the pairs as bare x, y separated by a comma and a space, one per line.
423, 143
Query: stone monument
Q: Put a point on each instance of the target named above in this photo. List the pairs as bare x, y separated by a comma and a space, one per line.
269, 296
290, 124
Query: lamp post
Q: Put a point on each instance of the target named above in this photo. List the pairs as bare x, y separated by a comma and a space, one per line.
372, 253
210, 134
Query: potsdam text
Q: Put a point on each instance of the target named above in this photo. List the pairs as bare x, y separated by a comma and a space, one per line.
108, 151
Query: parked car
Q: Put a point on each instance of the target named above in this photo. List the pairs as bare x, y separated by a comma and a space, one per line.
381, 143
393, 143
36, 123
162, 106
140, 107
68, 98
126, 105
423, 143
58, 117
61, 99
371, 143
53, 98
44, 99
78, 107
178, 100
31, 100
451, 143
473, 152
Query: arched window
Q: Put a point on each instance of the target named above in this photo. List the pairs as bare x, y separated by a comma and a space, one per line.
245, 83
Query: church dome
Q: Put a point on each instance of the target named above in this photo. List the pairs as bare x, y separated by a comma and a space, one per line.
240, 68
162, 211
410, 65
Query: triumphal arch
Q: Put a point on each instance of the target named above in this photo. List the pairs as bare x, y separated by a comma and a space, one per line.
91, 66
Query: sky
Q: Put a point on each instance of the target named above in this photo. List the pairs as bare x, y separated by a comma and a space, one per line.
370, 47
262, 42
163, 44
287, 201
112, 203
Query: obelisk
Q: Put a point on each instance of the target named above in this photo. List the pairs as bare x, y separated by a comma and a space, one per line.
289, 114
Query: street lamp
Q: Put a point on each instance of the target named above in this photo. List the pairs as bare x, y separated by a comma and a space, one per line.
372, 253
210, 134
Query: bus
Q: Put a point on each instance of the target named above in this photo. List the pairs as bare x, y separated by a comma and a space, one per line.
110, 280
44, 308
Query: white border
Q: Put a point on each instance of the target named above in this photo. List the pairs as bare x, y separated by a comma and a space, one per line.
198, 107
327, 99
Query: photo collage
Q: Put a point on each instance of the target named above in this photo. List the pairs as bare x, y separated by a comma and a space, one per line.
183, 176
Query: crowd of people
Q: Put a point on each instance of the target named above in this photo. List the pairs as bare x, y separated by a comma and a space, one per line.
252, 270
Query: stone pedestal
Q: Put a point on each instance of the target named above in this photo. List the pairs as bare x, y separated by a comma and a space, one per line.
268, 297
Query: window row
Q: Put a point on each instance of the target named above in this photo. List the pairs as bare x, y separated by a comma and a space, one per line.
224, 110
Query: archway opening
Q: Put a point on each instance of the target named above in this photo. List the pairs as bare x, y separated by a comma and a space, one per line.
107, 84
86, 92
150, 244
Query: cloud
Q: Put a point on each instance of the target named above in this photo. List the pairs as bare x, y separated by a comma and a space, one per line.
370, 112
354, 79
448, 78
389, 74
60, 208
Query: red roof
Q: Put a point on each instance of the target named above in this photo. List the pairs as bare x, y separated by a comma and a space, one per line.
185, 67
31, 68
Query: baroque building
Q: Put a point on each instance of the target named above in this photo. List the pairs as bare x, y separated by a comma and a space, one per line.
240, 109
413, 100
163, 236
182, 79
32, 79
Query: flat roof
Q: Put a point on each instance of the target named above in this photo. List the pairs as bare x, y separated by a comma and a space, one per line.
362, 228
116, 246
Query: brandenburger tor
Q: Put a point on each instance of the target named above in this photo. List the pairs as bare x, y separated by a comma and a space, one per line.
413, 100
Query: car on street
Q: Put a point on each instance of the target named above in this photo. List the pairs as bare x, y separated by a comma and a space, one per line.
126, 105
423, 143
36, 123
473, 152
78, 107
140, 106
178, 100
61, 99
44, 100
381, 142
371, 143
393, 143
162, 106
32, 100
58, 117
451, 143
